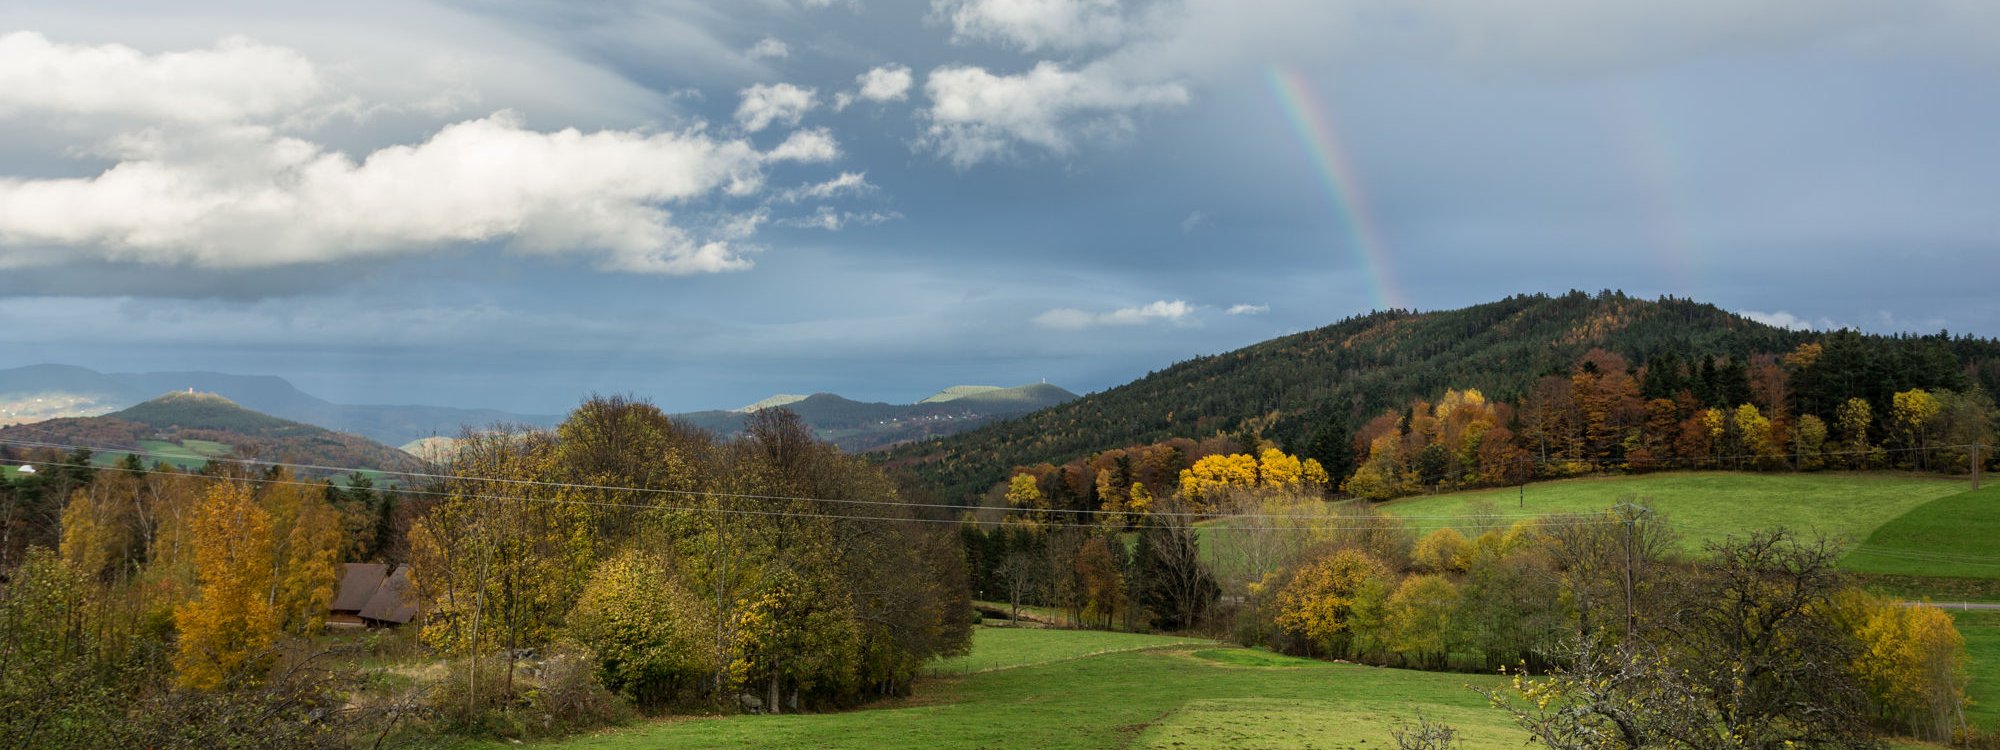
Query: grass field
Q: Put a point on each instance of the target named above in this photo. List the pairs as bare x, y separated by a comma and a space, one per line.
1072, 690
186, 454
1059, 697
1710, 505
1956, 535
1982, 644
1011, 647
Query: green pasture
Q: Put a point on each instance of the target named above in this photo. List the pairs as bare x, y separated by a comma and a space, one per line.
1982, 643
1956, 535
1705, 506
1071, 690
1163, 695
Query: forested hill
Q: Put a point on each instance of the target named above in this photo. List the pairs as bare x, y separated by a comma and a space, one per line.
1308, 391
186, 429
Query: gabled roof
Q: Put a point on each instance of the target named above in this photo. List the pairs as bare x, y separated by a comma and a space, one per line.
391, 602
358, 583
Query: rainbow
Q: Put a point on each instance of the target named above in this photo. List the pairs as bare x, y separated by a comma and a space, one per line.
1657, 169
1315, 129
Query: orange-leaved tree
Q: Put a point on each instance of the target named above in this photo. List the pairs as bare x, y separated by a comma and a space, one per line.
227, 628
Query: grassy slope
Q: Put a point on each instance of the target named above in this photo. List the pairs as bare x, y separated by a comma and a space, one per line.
1059, 691
1710, 505
1982, 643
1010, 647
1159, 698
1956, 535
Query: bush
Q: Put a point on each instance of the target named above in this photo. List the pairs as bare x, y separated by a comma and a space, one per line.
558, 695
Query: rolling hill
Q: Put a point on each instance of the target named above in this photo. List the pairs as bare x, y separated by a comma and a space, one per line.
38, 392
866, 425
1309, 390
189, 428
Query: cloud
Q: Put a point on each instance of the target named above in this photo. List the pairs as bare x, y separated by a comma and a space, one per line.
833, 220
769, 48
1033, 25
245, 197
777, 103
235, 80
977, 116
885, 84
1071, 319
1247, 309
888, 83
1193, 221
814, 145
848, 183
1783, 319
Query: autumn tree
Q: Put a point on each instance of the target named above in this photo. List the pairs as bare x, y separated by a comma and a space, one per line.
226, 630
308, 541
1317, 604
1419, 619
1441, 551
644, 626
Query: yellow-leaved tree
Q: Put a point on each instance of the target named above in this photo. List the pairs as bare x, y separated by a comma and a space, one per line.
1912, 663
307, 538
226, 629
1318, 602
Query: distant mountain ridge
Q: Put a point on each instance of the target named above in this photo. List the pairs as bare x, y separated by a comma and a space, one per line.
865, 426
187, 428
69, 391
1308, 391
42, 392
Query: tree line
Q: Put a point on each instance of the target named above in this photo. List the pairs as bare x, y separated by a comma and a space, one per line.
562, 578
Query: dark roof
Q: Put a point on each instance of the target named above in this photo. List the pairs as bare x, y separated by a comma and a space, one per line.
392, 602
357, 585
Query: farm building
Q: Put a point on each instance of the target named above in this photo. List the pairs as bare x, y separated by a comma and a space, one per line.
372, 595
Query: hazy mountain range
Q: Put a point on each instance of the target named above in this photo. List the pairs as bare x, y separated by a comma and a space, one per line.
42, 392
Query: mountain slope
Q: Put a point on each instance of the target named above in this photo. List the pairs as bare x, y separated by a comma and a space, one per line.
869, 425
1310, 388
187, 426
39, 392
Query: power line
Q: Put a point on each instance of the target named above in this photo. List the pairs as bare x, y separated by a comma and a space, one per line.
655, 490
1560, 520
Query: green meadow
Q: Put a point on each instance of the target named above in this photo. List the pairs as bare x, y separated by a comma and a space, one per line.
1070, 690
1957, 535
1706, 506
1077, 690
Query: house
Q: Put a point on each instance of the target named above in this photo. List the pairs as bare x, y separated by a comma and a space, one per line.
372, 595
25, 469
391, 605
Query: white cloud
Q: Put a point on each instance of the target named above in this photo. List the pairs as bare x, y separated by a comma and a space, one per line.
1193, 221
245, 197
977, 116
235, 80
1071, 319
814, 145
1248, 309
888, 83
1032, 25
776, 103
769, 48
848, 183
1783, 319
833, 220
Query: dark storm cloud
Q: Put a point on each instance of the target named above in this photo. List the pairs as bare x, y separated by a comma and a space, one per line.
1125, 178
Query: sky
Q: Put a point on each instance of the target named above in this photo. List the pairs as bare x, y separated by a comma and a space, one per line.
514, 203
